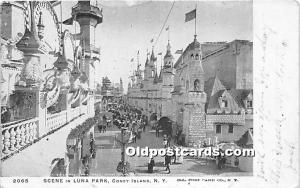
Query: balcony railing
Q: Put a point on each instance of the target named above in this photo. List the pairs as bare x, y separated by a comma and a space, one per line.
55, 121
20, 134
83, 109
16, 136
75, 112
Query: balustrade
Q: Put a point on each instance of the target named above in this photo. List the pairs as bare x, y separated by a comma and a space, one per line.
83, 109
75, 112
57, 120
18, 134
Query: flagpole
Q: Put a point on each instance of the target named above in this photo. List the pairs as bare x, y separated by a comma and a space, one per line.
168, 33
196, 21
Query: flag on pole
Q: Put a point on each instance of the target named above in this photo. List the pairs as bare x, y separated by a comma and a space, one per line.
160, 53
167, 28
190, 15
152, 40
178, 52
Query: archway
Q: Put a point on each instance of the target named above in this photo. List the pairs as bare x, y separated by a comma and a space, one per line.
165, 124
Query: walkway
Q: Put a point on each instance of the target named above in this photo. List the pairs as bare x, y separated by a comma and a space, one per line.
108, 155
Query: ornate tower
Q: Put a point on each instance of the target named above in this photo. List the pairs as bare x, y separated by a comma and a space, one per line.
150, 70
168, 70
88, 16
195, 97
167, 82
196, 79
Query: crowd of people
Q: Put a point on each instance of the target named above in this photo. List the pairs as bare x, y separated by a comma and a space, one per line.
123, 116
131, 120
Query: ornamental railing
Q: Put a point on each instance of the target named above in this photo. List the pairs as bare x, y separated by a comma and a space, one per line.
55, 121
18, 135
83, 109
74, 112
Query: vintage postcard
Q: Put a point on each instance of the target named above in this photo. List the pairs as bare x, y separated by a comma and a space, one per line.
149, 93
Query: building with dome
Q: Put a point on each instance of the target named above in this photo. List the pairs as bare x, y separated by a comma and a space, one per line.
207, 93
212, 96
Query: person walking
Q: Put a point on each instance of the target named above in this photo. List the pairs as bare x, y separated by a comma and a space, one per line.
157, 130
104, 128
165, 141
151, 165
174, 151
168, 162
144, 126
169, 140
135, 135
104, 123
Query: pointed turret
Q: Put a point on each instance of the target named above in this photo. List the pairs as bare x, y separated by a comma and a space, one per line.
168, 59
152, 57
156, 79
160, 78
147, 60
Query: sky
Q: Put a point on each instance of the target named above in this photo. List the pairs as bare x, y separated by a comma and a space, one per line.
129, 26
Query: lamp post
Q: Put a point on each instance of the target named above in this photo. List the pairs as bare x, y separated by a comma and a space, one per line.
123, 165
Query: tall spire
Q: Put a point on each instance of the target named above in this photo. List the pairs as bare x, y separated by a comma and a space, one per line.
147, 60
152, 57
169, 47
168, 53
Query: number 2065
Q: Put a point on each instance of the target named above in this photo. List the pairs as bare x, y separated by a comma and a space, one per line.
20, 180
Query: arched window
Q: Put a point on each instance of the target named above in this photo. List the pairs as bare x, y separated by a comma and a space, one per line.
192, 56
197, 56
152, 73
196, 85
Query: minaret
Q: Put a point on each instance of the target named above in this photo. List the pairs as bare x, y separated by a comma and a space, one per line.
168, 70
195, 67
151, 69
168, 59
146, 72
88, 16
167, 82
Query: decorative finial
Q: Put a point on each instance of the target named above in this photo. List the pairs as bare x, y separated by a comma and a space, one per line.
195, 37
41, 27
